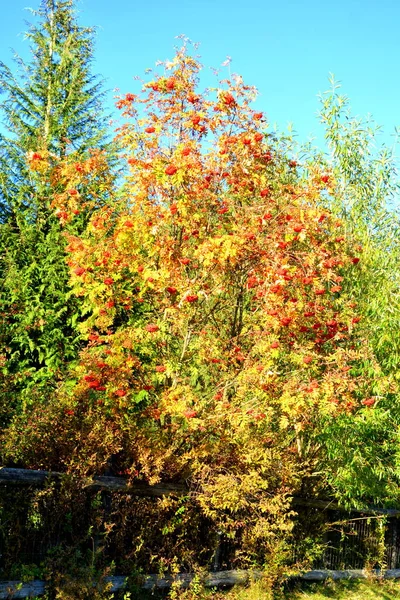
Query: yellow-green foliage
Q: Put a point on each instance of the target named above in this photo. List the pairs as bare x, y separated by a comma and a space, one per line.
360, 590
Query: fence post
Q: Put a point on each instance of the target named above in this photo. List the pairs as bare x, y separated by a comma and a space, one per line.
216, 563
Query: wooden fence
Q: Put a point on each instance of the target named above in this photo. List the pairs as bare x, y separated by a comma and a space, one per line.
34, 478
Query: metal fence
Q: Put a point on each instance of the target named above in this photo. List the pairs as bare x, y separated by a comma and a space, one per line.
348, 540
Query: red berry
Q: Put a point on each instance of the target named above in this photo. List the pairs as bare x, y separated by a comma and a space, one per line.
227, 98
332, 323
170, 170
189, 414
329, 264
170, 83
252, 282
94, 384
285, 321
368, 402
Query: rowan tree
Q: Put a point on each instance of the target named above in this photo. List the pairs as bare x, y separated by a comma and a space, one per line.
219, 342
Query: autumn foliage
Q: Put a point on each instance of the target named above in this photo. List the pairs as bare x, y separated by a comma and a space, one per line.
219, 341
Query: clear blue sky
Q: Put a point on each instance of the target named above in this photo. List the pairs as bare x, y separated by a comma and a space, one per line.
285, 48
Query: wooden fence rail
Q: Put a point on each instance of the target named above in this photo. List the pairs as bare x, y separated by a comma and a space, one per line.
116, 484
17, 589
37, 478
122, 484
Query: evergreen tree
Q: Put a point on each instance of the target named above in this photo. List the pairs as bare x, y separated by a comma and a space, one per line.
50, 108
51, 103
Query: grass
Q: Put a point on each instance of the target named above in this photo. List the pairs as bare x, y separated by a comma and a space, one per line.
345, 590
348, 590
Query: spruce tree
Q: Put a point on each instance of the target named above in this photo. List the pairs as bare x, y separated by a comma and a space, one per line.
52, 105
52, 102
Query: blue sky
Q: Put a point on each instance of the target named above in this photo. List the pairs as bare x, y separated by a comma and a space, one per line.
285, 48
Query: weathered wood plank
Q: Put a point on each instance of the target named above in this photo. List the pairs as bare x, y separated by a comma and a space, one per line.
322, 575
210, 580
34, 477
17, 589
328, 504
391, 574
37, 478
25, 476
137, 488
